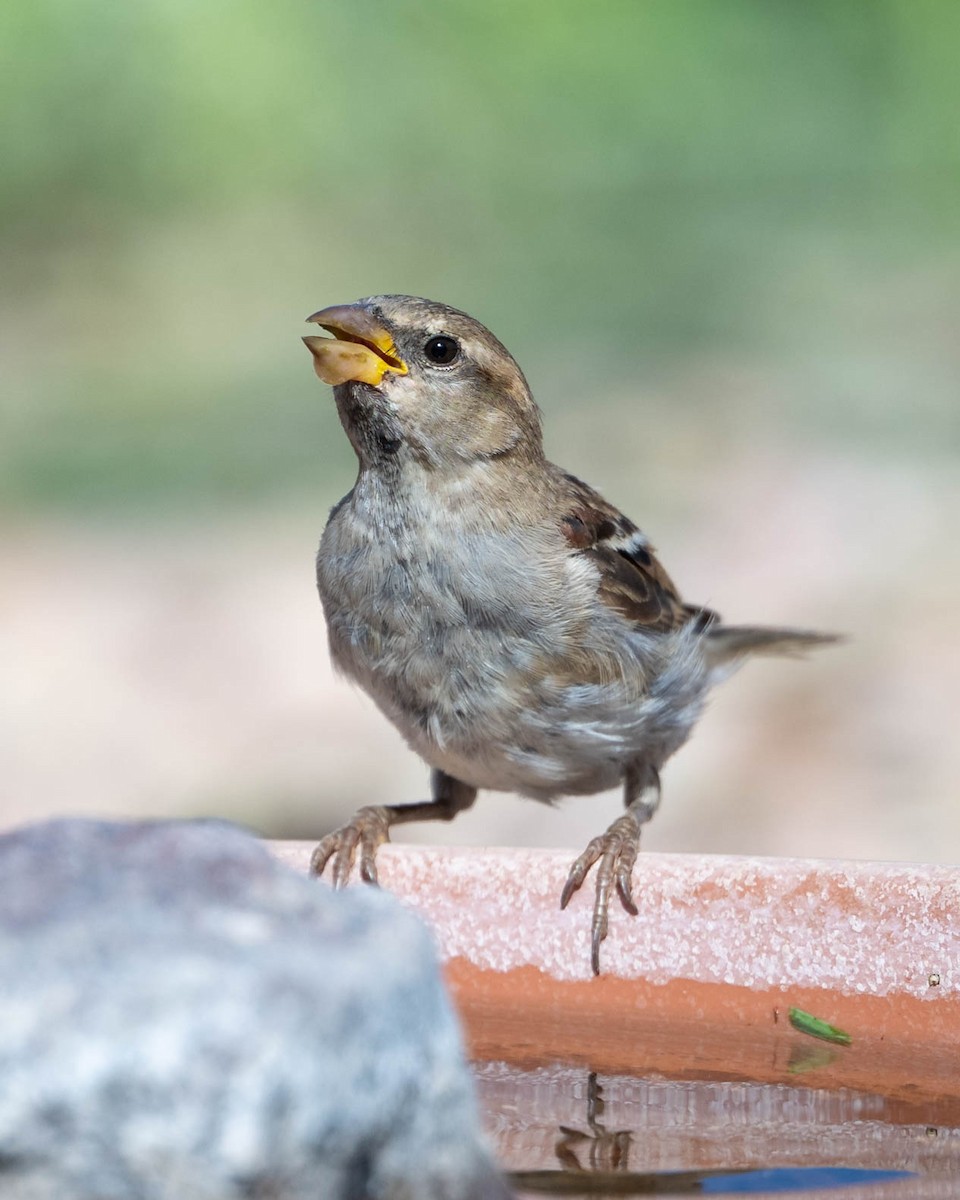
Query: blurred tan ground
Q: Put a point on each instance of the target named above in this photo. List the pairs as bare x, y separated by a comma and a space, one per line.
180, 667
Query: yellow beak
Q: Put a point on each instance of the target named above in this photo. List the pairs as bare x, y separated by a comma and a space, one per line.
361, 349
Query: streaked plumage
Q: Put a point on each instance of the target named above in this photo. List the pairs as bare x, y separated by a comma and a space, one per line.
516, 628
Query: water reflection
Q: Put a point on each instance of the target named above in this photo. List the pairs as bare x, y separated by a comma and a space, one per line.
564, 1131
605, 1150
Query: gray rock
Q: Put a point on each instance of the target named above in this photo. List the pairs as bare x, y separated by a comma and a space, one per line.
182, 1017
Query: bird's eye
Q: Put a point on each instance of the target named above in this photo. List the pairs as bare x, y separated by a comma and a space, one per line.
442, 350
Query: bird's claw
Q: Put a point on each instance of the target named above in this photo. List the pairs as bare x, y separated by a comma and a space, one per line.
367, 831
578, 872
616, 851
624, 876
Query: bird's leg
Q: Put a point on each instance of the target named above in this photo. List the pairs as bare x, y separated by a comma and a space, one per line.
617, 851
370, 828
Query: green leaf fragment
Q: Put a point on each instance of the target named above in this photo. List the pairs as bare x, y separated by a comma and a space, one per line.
807, 1023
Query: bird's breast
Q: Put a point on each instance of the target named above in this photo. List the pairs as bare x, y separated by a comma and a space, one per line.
434, 615
492, 655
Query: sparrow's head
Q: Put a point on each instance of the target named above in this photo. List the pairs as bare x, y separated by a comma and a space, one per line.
418, 380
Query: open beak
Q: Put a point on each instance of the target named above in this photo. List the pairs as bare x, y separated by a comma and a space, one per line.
361, 349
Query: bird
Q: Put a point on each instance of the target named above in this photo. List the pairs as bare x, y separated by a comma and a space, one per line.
516, 628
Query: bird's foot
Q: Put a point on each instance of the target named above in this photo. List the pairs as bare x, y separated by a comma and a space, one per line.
617, 851
368, 830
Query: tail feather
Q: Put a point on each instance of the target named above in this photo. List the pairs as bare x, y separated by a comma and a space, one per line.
724, 644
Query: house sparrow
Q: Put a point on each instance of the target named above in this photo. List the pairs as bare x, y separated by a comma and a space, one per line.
515, 627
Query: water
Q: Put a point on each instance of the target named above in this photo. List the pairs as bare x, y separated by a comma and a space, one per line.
566, 1131
772, 1181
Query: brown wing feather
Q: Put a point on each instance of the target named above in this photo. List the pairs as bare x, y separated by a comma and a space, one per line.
632, 581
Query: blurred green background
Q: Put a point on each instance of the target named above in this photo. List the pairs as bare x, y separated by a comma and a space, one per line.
721, 238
